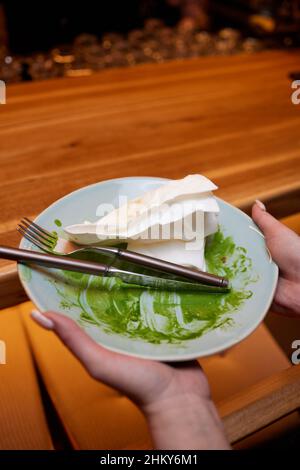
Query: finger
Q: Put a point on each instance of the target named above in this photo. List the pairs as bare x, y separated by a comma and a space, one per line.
275, 308
134, 377
283, 243
270, 226
77, 341
89, 353
287, 298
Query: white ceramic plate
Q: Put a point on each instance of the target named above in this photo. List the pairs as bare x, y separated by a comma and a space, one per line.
45, 286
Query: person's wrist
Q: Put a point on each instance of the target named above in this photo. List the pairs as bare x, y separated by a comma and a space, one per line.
186, 421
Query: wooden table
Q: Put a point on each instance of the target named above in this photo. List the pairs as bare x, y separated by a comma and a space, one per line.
230, 118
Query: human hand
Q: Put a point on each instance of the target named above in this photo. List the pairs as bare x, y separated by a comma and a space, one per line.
175, 398
284, 246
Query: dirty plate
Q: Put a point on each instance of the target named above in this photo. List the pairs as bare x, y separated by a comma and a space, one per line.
165, 326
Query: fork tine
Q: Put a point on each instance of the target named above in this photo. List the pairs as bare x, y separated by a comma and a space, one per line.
32, 240
27, 221
38, 232
35, 236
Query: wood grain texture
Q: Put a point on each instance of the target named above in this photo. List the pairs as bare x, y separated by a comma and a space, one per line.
261, 405
230, 118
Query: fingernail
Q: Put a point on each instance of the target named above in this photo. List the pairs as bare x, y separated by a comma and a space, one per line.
42, 320
261, 205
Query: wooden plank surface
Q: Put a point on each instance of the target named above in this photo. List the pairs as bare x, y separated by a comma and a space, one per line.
261, 404
230, 118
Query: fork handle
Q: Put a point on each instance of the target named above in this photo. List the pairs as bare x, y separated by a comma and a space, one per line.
53, 261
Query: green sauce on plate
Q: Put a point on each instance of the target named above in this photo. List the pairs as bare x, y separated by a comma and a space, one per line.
160, 316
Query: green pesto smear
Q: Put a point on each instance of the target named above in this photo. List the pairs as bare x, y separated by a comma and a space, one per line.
58, 222
160, 316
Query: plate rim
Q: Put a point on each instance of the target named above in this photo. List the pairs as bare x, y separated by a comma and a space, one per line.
170, 358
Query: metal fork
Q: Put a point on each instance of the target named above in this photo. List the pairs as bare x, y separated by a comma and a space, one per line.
41, 238
47, 241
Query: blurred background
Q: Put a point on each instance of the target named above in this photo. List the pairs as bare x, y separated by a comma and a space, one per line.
40, 40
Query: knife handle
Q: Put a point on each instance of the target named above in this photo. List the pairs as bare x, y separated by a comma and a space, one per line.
182, 271
53, 261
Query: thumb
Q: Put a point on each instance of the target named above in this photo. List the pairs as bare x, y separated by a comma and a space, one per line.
92, 356
132, 376
283, 243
